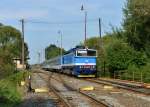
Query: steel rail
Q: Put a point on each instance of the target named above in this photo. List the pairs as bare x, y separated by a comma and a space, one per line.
98, 101
70, 87
123, 86
54, 90
66, 104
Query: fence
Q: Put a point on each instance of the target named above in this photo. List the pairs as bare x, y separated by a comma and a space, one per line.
138, 76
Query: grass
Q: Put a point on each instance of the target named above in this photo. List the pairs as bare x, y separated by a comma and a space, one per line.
133, 73
9, 95
138, 74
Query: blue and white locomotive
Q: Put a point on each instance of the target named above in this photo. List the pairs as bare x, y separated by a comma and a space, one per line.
80, 62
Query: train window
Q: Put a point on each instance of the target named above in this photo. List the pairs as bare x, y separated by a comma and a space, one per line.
91, 53
86, 53
82, 53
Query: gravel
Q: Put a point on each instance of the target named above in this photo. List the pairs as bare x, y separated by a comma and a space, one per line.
74, 98
115, 97
32, 99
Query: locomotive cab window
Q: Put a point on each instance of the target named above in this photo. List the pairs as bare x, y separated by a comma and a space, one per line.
86, 53
91, 53
82, 53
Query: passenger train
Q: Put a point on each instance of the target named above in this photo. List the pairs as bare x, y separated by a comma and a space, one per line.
79, 61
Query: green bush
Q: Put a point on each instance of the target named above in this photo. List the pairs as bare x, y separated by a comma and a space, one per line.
139, 58
133, 72
9, 92
146, 72
8, 89
119, 55
141, 74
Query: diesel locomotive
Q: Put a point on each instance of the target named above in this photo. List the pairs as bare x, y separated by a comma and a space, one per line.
79, 61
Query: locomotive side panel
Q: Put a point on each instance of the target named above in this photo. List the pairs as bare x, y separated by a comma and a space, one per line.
68, 63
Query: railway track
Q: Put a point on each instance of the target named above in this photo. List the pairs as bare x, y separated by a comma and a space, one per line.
135, 88
96, 103
62, 100
70, 87
65, 103
110, 97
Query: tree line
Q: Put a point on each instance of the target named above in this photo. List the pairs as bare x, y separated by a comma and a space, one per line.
52, 51
126, 49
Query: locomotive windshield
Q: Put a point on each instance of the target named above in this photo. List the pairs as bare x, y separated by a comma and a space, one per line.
86, 53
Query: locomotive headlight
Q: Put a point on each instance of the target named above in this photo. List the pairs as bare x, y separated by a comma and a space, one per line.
81, 66
93, 66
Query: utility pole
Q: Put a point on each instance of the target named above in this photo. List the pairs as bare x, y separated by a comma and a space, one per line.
101, 44
61, 53
100, 31
39, 57
85, 24
23, 59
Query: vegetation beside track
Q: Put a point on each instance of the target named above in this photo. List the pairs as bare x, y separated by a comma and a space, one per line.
124, 53
10, 77
9, 89
10, 49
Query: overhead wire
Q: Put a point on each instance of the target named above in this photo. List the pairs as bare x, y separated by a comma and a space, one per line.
104, 26
60, 22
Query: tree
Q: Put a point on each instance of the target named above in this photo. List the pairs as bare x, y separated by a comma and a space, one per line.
136, 24
99, 45
10, 47
52, 51
93, 43
120, 55
10, 40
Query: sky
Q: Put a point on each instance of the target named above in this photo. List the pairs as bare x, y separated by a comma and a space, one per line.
44, 18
